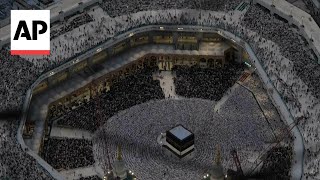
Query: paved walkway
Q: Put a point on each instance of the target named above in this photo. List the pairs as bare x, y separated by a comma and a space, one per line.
167, 84
70, 133
217, 107
79, 172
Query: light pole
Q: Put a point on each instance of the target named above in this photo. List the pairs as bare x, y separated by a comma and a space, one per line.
60, 5
200, 10
302, 18
127, 13
175, 11
273, 3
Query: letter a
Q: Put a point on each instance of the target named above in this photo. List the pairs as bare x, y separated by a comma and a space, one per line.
26, 34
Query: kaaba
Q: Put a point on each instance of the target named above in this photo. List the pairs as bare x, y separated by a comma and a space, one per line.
180, 141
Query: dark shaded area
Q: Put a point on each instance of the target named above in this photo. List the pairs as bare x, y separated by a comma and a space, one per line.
277, 164
5, 7
15, 164
314, 10
90, 178
10, 114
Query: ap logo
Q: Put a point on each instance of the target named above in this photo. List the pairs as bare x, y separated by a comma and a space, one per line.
30, 32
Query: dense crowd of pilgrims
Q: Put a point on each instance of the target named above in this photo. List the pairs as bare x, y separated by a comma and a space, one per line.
280, 47
14, 162
70, 25
125, 92
140, 83
5, 7
122, 7
64, 153
270, 112
136, 130
196, 82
